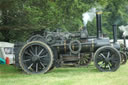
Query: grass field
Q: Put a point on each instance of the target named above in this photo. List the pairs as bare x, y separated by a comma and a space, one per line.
9, 75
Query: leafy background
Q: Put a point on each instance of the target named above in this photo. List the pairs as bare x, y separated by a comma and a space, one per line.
20, 18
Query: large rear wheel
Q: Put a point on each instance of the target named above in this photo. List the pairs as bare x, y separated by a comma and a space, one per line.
36, 57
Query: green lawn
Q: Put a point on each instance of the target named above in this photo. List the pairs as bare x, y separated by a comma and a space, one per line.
9, 75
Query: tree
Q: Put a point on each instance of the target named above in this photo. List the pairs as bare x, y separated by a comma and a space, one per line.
19, 18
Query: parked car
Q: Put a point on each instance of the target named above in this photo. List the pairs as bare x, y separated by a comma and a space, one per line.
6, 52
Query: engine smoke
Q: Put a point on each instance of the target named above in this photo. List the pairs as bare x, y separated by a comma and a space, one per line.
124, 29
89, 16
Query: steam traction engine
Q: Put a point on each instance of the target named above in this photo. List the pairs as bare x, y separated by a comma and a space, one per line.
43, 52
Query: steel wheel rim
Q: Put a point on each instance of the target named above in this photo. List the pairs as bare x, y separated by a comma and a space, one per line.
36, 58
107, 60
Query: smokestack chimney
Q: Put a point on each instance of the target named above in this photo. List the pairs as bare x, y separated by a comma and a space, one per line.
125, 48
98, 21
114, 33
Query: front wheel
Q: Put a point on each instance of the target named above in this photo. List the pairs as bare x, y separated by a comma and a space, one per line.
107, 58
123, 58
36, 57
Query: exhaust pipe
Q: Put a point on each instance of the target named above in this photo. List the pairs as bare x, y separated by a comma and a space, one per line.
114, 33
98, 21
124, 38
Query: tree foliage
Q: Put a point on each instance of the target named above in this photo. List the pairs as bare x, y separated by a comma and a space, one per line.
19, 18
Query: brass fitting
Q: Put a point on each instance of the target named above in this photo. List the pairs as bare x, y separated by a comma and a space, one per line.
100, 12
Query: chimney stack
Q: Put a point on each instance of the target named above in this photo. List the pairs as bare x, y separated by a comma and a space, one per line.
99, 26
114, 33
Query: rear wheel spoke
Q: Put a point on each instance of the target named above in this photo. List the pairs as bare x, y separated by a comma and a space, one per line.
43, 56
31, 52
42, 65
35, 50
40, 52
27, 60
36, 67
28, 53
30, 66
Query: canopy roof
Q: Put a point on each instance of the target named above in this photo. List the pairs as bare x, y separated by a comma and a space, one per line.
6, 44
